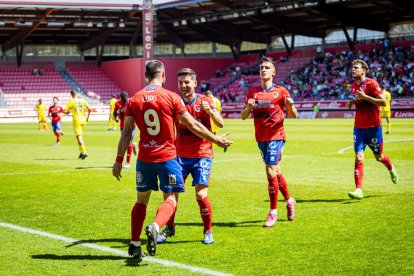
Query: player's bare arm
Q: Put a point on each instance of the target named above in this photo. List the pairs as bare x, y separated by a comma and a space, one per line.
247, 108
290, 107
380, 100
214, 114
123, 145
200, 130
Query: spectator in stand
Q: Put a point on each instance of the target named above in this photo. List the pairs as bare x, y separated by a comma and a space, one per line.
35, 71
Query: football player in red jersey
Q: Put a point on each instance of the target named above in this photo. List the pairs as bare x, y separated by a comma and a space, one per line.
367, 124
267, 103
153, 109
119, 112
197, 158
53, 113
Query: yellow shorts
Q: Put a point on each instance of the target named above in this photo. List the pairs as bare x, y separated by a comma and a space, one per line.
214, 128
385, 113
41, 118
78, 129
111, 117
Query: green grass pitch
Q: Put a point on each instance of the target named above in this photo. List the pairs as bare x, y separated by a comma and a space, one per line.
47, 188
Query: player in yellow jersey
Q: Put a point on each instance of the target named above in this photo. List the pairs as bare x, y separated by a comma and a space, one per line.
217, 104
112, 120
78, 106
386, 110
41, 116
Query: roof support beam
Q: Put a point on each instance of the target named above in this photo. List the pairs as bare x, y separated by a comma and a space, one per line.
101, 37
348, 38
172, 35
23, 33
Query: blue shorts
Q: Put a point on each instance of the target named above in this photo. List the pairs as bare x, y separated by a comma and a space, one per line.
56, 126
200, 169
168, 172
368, 136
271, 151
133, 133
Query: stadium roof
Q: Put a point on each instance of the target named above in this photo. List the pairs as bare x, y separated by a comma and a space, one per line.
89, 24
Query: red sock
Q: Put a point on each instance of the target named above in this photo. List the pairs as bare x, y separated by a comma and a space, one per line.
129, 152
387, 162
359, 174
170, 222
164, 212
58, 136
206, 213
283, 187
273, 191
138, 213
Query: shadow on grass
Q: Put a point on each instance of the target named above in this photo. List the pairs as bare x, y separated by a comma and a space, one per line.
51, 159
88, 168
252, 223
124, 242
128, 261
76, 257
333, 200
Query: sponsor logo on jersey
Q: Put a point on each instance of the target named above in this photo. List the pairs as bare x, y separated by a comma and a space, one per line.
150, 89
151, 144
263, 104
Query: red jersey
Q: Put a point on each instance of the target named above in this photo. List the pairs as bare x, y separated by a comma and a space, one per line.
54, 110
154, 109
268, 112
367, 114
188, 144
120, 109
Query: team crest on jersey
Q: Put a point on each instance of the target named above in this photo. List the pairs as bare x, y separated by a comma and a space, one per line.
275, 94
255, 95
197, 108
139, 177
150, 89
172, 179
363, 87
203, 163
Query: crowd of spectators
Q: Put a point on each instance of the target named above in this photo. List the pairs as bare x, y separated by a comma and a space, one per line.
328, 75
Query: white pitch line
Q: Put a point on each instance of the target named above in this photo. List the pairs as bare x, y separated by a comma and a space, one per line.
53, 171
390, 141
112, 250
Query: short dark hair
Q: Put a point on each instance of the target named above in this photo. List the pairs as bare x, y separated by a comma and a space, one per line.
267, 59
56, 98
153, 68
187, 71
73, 92
124, 96
383, 86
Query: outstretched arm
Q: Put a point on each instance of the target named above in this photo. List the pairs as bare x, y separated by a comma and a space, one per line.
200, 130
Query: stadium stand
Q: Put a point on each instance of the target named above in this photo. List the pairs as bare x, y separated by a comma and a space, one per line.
22, 87
92, 80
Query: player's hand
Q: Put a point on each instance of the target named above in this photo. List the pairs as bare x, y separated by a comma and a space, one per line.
250, 103
116, 170
222, 142
289, 102
360, 94
205, 105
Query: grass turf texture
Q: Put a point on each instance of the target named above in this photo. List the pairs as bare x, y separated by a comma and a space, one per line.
49, 189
